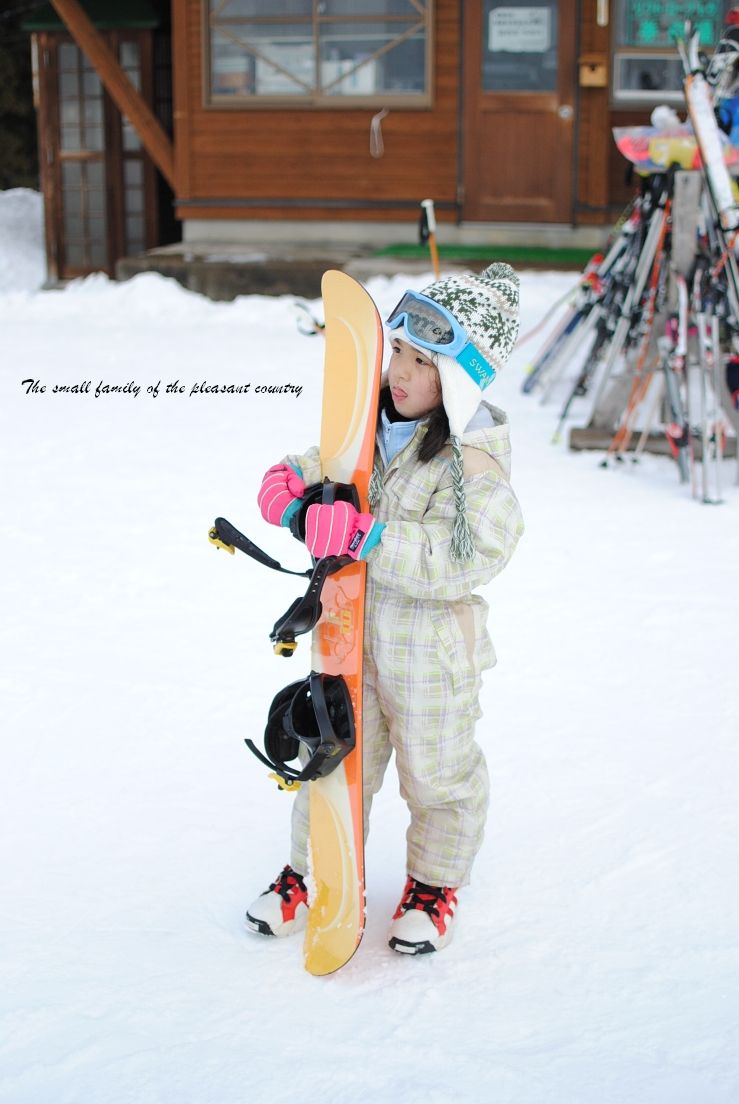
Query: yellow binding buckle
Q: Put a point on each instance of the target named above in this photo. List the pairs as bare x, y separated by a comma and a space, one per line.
216, 540
284, 783
285, 647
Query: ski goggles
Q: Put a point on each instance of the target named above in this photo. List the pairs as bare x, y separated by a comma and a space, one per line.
433, 327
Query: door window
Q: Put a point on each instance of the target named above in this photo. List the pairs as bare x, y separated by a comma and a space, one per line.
129, 53
81, 140
104, 186
519, 46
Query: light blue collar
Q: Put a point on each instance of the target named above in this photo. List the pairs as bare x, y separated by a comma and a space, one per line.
394, 436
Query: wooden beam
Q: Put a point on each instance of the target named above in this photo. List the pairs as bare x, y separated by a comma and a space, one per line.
126, 98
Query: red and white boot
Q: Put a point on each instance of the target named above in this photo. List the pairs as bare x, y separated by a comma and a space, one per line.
424, 919
282, 909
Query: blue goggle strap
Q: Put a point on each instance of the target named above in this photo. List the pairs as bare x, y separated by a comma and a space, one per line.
476, 367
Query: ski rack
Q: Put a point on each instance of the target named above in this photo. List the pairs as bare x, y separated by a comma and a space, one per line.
653, 327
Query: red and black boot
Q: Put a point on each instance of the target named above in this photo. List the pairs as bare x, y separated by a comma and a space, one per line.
424, 919
282, 909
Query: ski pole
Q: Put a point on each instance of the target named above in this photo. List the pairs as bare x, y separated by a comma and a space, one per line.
703, 369
642, 376
570, 294
718, 429
308, 324
657, 396
652, 248
428, 233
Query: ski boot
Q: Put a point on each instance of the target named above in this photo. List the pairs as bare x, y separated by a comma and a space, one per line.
424, 918
282, 909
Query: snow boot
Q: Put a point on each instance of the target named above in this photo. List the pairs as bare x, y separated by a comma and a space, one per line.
283, 908
424, 918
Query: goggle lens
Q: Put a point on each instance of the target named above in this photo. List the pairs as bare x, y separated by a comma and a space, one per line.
422, 321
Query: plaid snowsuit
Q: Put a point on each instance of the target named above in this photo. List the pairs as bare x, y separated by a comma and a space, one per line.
426, 646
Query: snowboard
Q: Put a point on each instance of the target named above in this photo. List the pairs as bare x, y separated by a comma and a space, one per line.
352, 369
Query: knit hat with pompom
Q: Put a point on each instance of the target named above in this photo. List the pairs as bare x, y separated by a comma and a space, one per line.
486, 307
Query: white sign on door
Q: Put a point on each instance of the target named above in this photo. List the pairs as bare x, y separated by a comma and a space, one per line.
520, 30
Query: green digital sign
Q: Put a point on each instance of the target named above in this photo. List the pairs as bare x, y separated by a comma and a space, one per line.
657, 23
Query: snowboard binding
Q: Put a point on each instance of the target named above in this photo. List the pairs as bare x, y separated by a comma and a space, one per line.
326, 493
305, 612
314, 719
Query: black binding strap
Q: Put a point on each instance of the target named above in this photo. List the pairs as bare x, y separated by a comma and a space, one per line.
305, 612
225, 533
315, 714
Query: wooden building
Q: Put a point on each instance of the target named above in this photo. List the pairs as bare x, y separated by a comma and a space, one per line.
311, 119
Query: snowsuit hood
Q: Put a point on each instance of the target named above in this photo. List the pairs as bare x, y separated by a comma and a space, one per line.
488, 432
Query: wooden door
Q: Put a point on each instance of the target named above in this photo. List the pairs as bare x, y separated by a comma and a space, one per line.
99, 185
519, 111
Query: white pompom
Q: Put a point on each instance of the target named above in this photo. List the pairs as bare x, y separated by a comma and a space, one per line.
665, 118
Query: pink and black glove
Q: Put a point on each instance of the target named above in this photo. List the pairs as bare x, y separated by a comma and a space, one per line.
340, 530
280, 494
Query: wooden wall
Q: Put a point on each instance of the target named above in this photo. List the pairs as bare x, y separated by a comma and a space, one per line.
318, 160
274, 153
603, 185
593, 129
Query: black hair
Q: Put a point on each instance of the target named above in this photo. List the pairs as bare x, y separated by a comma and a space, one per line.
437, 435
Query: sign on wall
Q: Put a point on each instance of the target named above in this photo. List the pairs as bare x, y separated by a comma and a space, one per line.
520, 30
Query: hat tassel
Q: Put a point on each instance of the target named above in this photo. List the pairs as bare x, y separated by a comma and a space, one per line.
374, 491
462, 547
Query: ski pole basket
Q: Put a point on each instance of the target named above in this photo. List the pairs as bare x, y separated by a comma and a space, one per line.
312, 720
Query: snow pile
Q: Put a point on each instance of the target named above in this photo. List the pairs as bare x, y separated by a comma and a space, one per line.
22, 251
596, 954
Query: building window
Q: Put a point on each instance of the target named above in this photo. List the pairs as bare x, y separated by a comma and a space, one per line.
646, 67
308, 53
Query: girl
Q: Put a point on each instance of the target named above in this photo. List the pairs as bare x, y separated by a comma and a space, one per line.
443, 521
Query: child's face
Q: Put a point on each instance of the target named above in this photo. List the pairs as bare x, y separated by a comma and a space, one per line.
414, 381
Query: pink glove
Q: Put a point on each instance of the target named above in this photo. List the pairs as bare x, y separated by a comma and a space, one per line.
280, 494
340, 530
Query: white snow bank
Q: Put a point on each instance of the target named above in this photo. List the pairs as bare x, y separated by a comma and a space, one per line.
22, 252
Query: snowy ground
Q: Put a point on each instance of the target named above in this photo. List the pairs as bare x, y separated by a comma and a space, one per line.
22, 257
597, 956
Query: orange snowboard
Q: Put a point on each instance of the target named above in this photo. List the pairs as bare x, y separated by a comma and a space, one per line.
353, 364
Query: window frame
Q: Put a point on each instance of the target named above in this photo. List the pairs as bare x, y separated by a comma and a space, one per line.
410, 101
